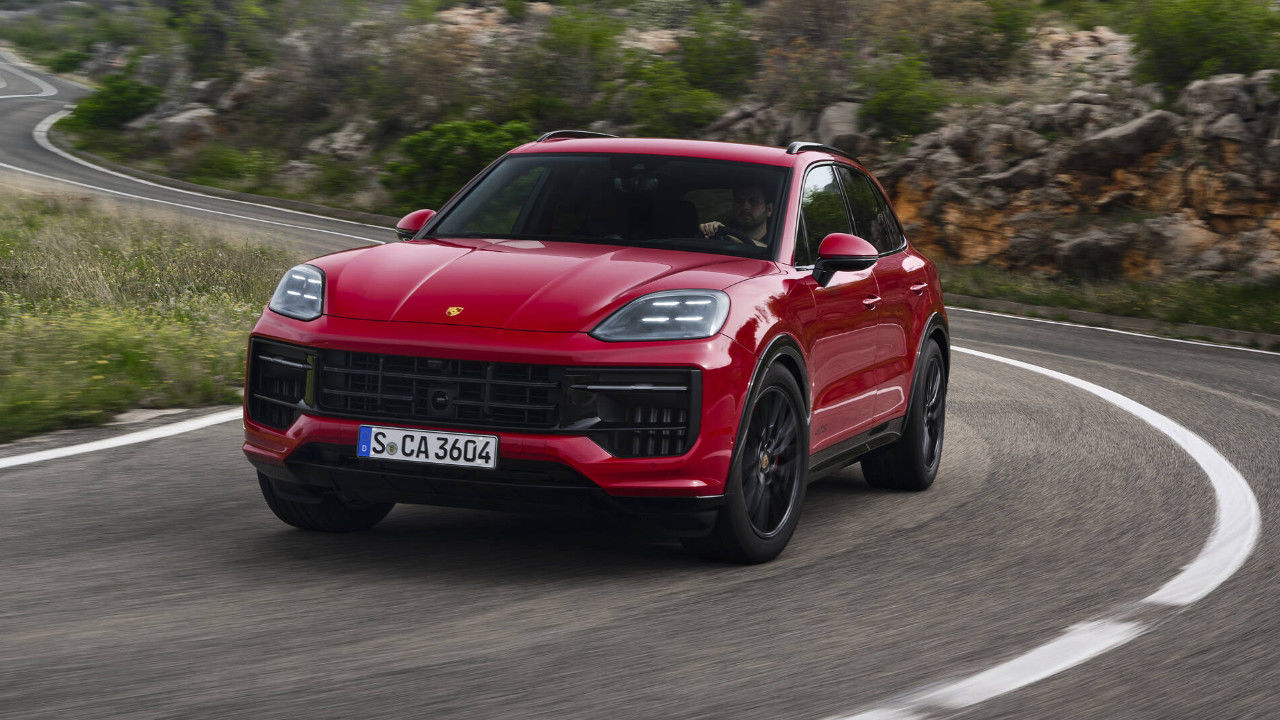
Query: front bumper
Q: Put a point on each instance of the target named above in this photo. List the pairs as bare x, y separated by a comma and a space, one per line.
534, 468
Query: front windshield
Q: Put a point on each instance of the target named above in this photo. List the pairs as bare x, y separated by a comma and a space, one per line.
714, 206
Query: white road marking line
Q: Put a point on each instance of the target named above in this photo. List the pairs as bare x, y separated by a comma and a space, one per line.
41, 135
1237, 523
46, 90
154, 433
1113, 330
185, 207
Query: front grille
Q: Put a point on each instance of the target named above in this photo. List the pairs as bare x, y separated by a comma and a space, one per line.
630, 412
433, 390
277, 387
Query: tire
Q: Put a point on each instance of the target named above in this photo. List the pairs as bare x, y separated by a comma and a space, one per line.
330, 514
911, 462
765, 489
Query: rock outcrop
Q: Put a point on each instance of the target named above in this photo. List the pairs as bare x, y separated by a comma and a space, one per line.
1086, 176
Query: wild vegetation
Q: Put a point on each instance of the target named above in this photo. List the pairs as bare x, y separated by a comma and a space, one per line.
101, 312
390, 105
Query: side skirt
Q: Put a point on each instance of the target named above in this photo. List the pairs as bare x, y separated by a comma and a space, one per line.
849, 450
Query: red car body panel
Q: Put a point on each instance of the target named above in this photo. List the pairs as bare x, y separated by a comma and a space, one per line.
514, 284
536, 302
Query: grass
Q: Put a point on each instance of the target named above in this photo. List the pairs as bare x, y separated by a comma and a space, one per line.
1249, 307
101, 312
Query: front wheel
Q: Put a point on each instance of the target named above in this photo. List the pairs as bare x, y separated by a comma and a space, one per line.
330, 514
766, 481
911, 462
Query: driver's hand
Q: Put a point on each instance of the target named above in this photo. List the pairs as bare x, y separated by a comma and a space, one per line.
710, 228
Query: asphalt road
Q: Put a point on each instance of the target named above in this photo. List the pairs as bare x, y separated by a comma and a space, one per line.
150, 580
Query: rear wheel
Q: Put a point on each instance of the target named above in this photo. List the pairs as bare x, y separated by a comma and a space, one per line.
766, 481
911, 462
329, 513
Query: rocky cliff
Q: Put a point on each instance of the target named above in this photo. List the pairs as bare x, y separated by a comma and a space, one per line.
1084, 173
1066, 167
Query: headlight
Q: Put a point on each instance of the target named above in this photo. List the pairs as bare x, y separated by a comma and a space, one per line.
300, 293
667, 315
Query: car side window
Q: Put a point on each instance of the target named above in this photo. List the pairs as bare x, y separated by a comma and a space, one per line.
822, 212
868, 222
892, 229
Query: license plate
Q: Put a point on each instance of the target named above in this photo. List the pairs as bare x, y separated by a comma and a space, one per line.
437, 448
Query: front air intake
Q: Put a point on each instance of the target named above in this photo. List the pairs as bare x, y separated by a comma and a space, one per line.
637, 412
278, 383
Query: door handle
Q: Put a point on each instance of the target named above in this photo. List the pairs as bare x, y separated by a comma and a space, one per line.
871, 302
919, 288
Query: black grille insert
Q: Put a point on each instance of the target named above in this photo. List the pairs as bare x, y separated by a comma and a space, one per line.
434, 390
278, 381
641, 412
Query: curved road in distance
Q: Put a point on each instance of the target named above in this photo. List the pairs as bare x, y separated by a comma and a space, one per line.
151, 581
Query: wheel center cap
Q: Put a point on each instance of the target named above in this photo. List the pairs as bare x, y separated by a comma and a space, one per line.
764, 461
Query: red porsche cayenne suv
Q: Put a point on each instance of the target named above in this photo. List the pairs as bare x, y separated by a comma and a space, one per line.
677, 332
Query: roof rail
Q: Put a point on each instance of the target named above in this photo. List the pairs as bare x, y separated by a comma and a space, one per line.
558, 134
800, 146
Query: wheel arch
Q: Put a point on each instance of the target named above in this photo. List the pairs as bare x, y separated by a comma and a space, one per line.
936, 329
784, 349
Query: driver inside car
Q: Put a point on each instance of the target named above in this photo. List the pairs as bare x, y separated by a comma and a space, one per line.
751, 213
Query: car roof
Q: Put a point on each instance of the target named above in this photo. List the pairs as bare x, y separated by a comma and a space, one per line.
740, 152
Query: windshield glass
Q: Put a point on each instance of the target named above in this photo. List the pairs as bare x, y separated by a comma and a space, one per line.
680, 203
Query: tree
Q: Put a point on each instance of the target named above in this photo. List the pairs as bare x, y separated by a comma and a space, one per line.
440, 160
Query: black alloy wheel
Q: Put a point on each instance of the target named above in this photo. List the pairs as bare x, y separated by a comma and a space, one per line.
935, 398
766, 484
911, 462
771, 469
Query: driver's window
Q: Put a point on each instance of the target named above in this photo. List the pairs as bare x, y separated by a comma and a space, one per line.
822, 212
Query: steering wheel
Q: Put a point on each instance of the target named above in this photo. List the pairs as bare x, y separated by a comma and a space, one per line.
735, 234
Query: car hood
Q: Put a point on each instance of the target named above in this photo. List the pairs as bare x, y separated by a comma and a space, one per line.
514, 284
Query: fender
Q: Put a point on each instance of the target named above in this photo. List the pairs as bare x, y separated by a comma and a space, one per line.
782, 344
937, 321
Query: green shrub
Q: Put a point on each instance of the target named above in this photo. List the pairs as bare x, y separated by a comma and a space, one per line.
1181, 40
1092, 13
958, 38
807, 50
117, 101
68, 61
440, 160
337, 178
556, 82
1011, 21
718, 55
217, 164
903, 97
517, 9
659, 98
32, 34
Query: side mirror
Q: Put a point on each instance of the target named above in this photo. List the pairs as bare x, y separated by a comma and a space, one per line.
410, 224
842, 252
